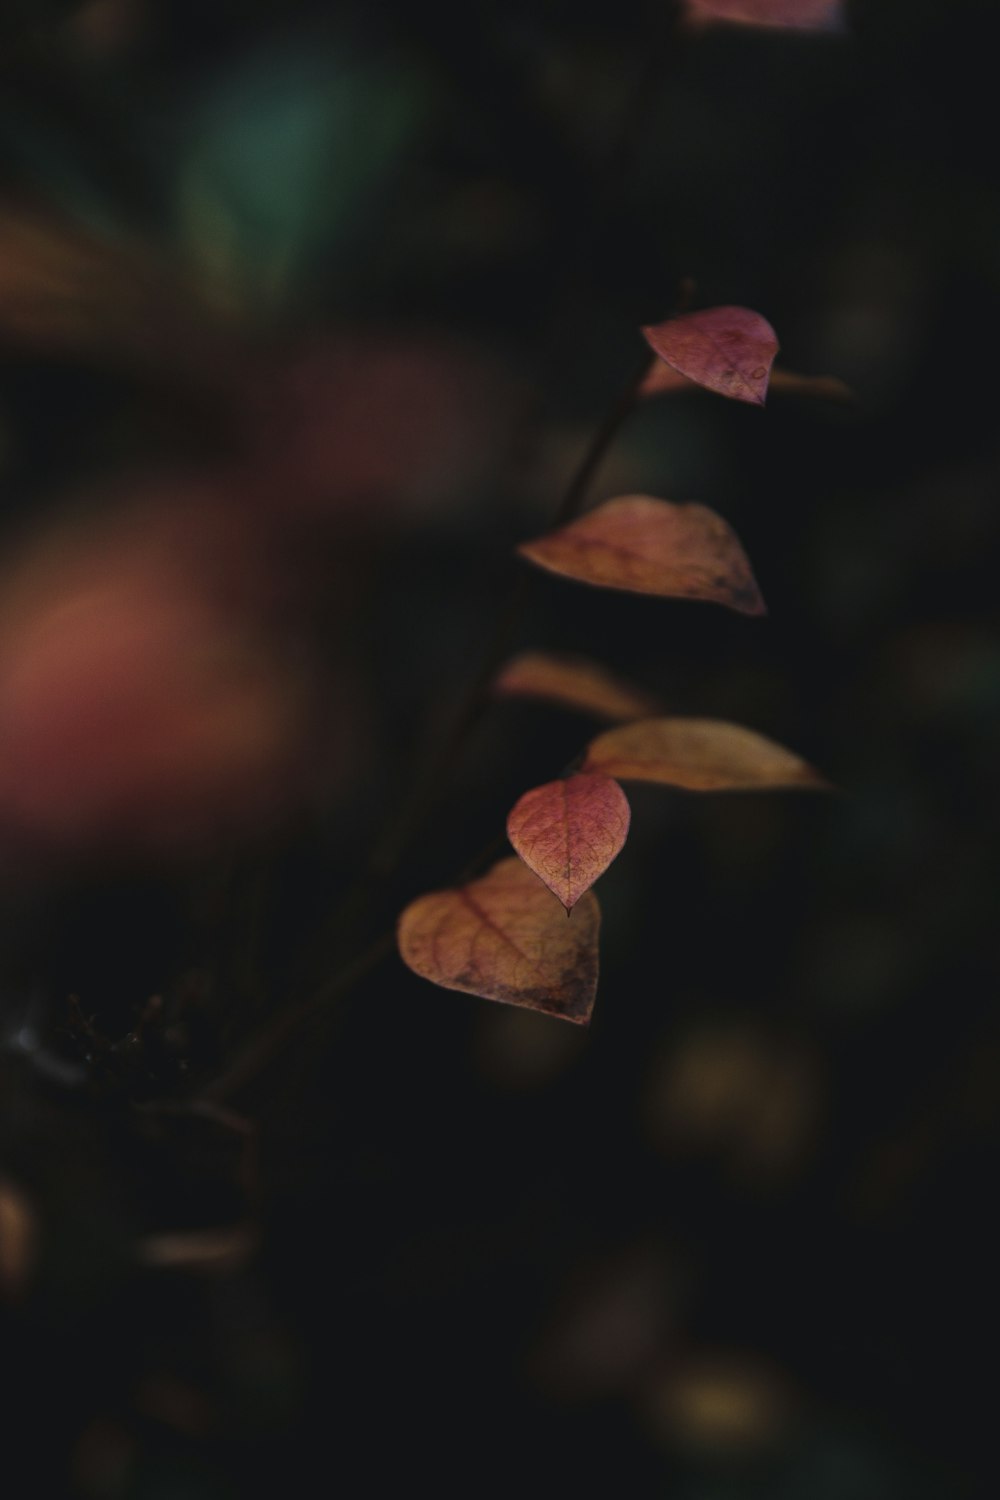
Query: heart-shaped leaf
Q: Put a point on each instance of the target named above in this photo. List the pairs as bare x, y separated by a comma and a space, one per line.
572, 682
701, 755
799, 15
729, 350
650, 546
505, 937
569, 831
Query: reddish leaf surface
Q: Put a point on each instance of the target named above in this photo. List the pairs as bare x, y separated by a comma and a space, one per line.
701, 755
505, 937
729, 350
663, 381
569, 831
800, 15
573, 682
649, 546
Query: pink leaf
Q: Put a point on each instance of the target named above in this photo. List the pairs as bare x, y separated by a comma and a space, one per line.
701, 755
728, 350
649, 546
569, 831
505, 937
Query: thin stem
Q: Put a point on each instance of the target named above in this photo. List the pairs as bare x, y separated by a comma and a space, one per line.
576, 491
419, 803
389, 850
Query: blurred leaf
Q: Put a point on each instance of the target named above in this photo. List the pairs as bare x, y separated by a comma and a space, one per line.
505, 937
616, 1318
724, 1403
142, 708
572, 682
799, 15
288, 154
728, 350
649, 546
701, 755
362, 421
569, 831
216, 1250
730, 1087
66, 291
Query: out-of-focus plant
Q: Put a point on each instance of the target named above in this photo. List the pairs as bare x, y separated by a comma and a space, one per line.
159, 688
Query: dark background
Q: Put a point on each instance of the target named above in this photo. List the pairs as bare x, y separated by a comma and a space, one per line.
734, 1240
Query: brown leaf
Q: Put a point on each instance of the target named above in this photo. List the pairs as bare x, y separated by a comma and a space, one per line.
649, 546
701, 755
573, 682
505, 937
663, 381
799, 15
569, 831
729, 350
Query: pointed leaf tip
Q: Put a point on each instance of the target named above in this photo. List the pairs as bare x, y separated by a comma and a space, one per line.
569, 831
505, 937
728, 350
700, 755
648, 546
